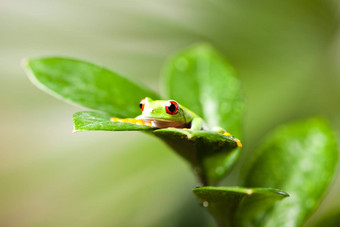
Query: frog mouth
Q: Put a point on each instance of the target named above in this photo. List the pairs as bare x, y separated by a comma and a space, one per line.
163, 123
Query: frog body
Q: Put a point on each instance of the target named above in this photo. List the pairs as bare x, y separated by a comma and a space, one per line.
169, 114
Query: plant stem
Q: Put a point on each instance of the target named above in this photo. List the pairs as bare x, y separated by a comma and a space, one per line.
201, 176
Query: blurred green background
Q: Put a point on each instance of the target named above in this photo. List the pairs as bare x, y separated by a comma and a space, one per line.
286, 54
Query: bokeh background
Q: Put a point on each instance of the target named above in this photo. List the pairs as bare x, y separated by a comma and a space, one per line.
286, 53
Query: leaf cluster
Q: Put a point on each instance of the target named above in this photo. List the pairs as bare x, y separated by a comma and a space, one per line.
295, 163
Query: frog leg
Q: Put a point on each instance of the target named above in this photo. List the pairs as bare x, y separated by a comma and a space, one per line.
221, 130
225, 133
197, 124
238, 142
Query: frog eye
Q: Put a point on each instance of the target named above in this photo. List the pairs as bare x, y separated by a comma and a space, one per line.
142, 104
171, 107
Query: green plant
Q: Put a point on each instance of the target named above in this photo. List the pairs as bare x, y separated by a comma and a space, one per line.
299, 158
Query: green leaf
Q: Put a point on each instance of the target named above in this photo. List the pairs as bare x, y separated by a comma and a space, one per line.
200, 79
203, 81
88, 85
89, 121
211, 154
236, 206
299, 158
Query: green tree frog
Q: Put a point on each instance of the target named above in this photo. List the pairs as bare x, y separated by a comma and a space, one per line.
169, 114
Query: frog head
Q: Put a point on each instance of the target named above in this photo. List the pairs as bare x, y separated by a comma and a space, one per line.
164, 113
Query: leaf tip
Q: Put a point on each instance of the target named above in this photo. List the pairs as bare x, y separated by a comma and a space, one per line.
24, 62
74, 131
284, 194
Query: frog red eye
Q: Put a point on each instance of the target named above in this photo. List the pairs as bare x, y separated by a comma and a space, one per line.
142, 104
171, 107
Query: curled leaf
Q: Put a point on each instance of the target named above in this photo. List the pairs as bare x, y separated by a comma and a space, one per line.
237, 206
211, 154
